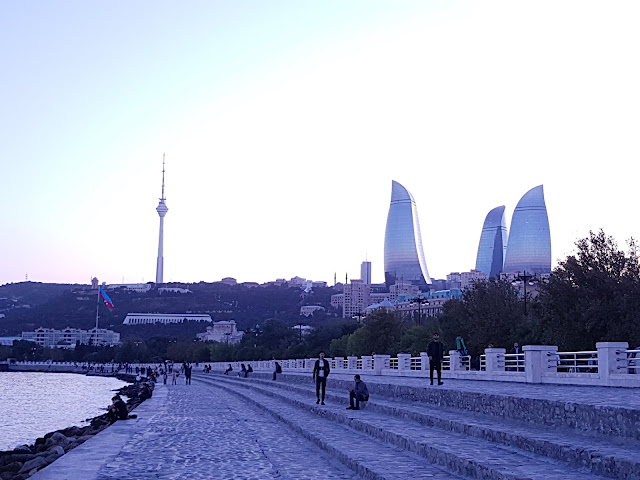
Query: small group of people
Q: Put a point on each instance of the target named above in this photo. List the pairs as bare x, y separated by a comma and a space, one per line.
321, 369
244, 371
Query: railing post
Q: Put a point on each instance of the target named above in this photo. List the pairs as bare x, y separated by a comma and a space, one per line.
309, 364
404, 362
380, 362
424, 362
539, 359
367, 362
339, 363
352, 363
494, 360
611, 356
300, 364
455, 362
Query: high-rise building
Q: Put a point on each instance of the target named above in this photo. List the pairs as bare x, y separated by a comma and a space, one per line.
356, 298
403, 255
493, 243
529, 245
365, 272
162, 210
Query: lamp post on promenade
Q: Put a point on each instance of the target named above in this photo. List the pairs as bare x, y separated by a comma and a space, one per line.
419, 301
526, 278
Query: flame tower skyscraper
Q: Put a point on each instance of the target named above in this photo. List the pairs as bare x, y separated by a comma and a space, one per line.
162, 210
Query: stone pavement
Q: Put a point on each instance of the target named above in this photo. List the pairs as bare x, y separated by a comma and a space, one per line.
232, 428
195, 432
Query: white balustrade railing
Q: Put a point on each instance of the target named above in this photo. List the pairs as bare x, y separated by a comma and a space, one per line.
577, 362
612, 364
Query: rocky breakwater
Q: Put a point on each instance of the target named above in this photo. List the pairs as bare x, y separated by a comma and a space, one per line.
25, 460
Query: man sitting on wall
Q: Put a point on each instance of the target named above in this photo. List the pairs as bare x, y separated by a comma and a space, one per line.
359, 393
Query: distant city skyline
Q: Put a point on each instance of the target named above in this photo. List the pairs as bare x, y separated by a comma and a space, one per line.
283, 124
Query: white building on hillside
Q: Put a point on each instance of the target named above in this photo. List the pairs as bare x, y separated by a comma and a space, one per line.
308, 310
131, 287
67, 338
223, 332
151, 318
173, 290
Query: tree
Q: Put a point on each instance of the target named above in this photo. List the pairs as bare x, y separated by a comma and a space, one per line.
489, 312
593, 296
380, 334
415, 340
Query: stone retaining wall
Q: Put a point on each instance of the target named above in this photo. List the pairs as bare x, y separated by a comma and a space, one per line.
614, 421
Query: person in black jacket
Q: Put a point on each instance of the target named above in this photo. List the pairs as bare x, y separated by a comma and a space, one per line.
321, 371
435, 351
117, 410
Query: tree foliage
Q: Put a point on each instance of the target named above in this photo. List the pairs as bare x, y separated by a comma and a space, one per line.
593, 296
488, 313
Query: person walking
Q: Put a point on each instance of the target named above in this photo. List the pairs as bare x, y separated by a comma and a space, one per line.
321, 371
435, 352
276, 369
187, 373
359, 393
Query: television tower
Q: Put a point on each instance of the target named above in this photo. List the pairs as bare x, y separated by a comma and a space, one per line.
162, 211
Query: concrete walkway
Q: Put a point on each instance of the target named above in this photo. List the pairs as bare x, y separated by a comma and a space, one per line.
195, 432
205, 431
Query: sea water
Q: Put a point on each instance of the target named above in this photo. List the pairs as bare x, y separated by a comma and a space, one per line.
33, 404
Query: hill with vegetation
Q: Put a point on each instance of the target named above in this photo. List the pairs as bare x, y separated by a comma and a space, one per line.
30, 305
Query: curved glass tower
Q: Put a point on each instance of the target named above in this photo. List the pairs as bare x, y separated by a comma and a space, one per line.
403, 255
529, 247
493, 243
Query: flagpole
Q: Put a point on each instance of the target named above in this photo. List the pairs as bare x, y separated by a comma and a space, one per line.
97, 311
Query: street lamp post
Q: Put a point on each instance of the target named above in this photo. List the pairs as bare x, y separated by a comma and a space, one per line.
526, 278
420, 301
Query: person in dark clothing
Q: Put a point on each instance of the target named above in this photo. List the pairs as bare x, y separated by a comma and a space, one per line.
117, 410
359, 393
249, 370
229, 369
435, 352
145, 392
276, 369
321, 371
516, 362
243, 371
187, 373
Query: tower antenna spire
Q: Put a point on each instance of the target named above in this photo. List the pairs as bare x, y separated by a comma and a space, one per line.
162, 211
163, 178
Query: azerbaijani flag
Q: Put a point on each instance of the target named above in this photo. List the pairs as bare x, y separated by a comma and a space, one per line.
105, 298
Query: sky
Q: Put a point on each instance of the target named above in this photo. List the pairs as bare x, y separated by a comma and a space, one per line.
283, 124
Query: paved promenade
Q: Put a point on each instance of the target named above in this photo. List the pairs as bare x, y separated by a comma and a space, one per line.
195, 432
230, 428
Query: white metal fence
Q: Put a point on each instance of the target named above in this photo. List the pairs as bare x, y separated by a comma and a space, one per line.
612, 363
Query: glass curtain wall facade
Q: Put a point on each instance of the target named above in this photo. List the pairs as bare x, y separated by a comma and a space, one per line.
493, 243
529, 245
403, 254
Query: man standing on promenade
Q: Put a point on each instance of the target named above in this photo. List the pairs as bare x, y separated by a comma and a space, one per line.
435, 352
359, 393
187, 373
320, 373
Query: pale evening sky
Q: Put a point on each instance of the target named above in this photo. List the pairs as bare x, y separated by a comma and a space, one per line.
284, 122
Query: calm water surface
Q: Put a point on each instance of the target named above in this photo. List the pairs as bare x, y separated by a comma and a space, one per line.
32, 404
